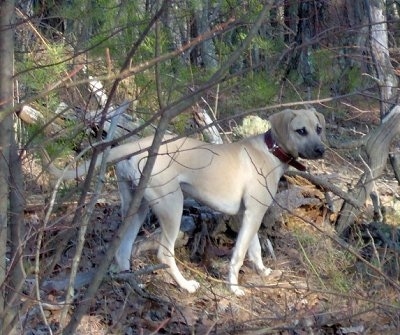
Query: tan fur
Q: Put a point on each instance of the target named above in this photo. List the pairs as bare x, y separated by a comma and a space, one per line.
232, 178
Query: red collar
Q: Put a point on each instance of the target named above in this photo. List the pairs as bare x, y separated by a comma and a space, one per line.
277, 151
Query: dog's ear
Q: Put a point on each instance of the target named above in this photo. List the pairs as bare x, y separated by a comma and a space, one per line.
321, 119
280, 123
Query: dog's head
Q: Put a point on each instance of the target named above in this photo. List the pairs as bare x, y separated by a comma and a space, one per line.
299, 133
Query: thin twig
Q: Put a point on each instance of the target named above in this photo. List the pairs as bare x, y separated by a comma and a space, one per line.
378, 260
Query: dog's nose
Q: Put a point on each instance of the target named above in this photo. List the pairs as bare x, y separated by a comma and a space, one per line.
319, 150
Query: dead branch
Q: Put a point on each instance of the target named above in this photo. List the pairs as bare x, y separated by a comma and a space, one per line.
395, 162
376, 202
203, 120
377, 152
85, 278
379, 140
327, 186
353, 144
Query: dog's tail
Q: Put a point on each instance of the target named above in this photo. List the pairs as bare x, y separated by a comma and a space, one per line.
123, 151
116, 154
67, 173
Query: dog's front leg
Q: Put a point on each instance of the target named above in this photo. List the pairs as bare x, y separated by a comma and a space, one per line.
247, 234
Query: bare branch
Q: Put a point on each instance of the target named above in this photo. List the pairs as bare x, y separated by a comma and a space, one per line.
316, 180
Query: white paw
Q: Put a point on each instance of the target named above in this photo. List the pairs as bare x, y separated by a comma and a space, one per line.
237, 291
191, 286
122, 265
265, 271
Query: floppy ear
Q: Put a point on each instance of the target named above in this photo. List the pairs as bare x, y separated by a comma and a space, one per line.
280, 123
321, 119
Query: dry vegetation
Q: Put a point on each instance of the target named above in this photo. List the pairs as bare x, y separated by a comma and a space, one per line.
317, 287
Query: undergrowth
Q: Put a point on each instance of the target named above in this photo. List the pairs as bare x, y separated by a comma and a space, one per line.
326, 263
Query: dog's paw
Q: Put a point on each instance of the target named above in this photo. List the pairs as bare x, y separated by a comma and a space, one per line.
191, 286
237, 291
265, 271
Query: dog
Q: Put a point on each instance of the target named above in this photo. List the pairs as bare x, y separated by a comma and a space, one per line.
240, 177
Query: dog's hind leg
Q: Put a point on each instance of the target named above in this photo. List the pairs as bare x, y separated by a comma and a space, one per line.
123, 254
254, 254
168, 210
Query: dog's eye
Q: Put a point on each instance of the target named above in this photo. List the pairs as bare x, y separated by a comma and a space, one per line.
302, 131
319, 130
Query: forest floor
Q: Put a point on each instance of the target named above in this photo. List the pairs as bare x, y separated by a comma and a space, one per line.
317, 287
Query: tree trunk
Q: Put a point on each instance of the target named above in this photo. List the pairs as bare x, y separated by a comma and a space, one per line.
378, 143
16, 277
307, 28
291, 20
207, 53
178, 31
6, 126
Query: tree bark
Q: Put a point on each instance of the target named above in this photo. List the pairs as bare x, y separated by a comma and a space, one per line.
308, 17
291, 20
207, 51
6, 126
